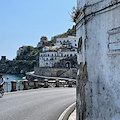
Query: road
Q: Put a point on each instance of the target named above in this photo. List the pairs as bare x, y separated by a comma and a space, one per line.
38, 104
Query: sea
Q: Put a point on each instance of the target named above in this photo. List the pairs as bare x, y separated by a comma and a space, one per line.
9, 78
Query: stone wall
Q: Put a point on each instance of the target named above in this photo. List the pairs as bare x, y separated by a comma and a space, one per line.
56, 72
98, 35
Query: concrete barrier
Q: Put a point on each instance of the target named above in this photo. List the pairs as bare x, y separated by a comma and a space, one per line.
35, 83
70, 83
13, 85
57, 83
25, 84
45, 83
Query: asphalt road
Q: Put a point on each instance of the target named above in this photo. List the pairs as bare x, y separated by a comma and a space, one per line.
39, 104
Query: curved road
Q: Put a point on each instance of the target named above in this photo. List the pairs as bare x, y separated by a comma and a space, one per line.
39, 104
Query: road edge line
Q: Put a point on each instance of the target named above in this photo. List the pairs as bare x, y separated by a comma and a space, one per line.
65, 115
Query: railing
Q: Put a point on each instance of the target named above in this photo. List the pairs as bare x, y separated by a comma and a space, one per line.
8, 86
25, 85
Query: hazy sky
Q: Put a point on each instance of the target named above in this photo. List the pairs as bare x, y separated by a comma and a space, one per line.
23, 22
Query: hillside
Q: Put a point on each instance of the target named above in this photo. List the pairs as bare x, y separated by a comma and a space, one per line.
29, 58
70, 32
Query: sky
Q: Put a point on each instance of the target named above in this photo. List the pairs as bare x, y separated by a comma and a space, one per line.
23, 22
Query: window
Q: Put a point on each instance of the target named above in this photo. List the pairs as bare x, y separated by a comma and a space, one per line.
51, 59
114, 41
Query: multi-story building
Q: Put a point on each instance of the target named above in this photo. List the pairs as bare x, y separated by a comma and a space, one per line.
53, 54
50, 48
49, 58
70, 40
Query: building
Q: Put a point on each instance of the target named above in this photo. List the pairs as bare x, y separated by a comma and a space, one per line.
98, 77
70, 40
49, 58
50, 48
43, 40
21, 49
39, 44
53, 54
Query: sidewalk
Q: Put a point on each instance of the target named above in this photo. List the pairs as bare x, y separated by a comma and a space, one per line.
73, 115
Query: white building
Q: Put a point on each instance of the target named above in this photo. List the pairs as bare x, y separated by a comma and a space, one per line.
70, 40
98, 36
48, 59
53, 54
50, 48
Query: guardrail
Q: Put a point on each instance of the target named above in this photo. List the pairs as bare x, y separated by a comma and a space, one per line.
8, 86
25, 85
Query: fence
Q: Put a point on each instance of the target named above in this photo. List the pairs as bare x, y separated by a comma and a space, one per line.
25, 85
8, 86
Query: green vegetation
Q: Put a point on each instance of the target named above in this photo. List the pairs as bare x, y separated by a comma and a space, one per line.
70, 32
50, 43
28, 64
29, 53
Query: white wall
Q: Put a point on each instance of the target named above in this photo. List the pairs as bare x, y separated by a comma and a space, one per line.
69, 39
101, 52
47, 59
82, 3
